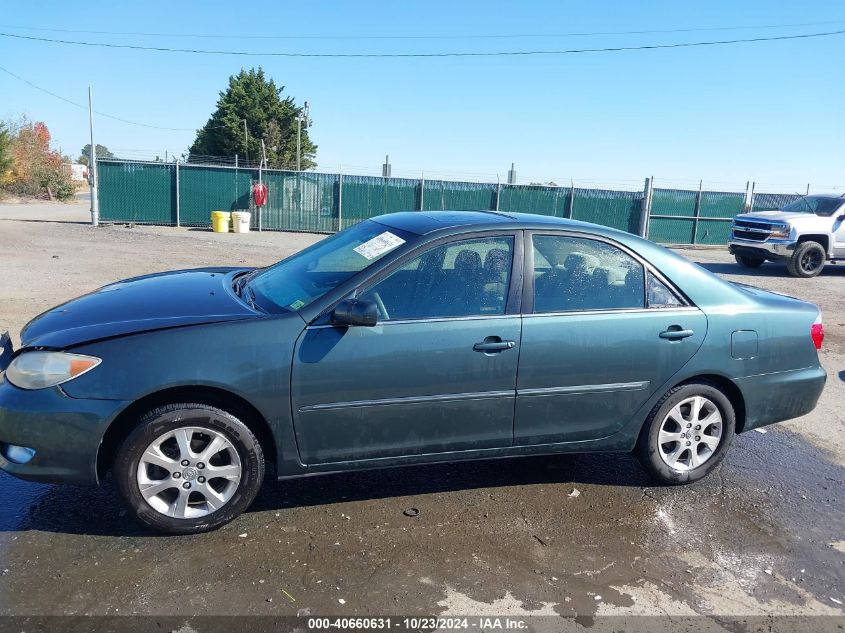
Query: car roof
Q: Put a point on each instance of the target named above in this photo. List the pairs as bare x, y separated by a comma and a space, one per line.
425, 222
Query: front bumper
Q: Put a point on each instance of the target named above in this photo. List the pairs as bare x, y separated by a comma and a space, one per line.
772, 248
65, 433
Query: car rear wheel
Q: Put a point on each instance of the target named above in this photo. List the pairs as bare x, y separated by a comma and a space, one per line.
749, 261
189, 468
687, 434
807, 260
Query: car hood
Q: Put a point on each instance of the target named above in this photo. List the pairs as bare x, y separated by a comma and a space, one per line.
140, 304
774, 216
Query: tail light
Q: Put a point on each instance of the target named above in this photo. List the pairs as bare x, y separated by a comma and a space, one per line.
817, 332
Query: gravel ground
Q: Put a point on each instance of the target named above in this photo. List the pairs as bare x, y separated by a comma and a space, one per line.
764, 535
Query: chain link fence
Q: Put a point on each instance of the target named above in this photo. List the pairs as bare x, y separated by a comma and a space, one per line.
179, 194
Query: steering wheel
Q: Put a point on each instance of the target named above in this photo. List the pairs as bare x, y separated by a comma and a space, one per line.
380, 305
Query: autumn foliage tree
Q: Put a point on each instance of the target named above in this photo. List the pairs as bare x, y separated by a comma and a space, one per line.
36, 169
5, 156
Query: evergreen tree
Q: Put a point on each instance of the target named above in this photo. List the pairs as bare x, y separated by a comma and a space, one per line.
85, 153
253, 97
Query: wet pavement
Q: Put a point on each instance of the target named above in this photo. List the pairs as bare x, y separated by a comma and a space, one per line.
757, 536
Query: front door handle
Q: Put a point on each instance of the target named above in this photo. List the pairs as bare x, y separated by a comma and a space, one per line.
493, 344
676, 333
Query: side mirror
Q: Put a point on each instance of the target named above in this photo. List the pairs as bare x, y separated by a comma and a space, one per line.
355, 312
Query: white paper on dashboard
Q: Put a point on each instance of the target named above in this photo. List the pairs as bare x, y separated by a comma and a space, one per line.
379, 245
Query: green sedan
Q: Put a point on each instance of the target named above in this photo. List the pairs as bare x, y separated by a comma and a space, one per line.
408, 338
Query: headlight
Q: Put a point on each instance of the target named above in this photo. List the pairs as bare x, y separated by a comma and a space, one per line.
782, 231
37, 370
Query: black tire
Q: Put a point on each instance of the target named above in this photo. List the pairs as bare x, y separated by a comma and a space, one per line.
807, 260
649, 450
749, 261
161, 421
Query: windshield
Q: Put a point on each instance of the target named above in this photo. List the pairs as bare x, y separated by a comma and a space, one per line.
295, 282
813, 204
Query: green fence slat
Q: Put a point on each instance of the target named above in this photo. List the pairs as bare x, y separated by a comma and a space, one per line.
712, 231
203, 189
144, 193
552, 201
682, 204
670, 231
300, 201
447, 195
617, 209
368, 196
773, 201
673, 202
721, 204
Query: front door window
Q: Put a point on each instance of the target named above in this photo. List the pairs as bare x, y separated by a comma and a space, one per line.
458, 279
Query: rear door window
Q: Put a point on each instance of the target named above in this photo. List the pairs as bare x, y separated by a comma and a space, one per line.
578, 274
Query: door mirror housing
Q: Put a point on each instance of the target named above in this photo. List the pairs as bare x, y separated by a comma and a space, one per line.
355, 312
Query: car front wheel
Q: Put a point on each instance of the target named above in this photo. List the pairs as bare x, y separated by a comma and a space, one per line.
687, 434
189, 468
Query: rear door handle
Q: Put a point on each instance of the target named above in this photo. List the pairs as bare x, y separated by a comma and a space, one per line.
676, 333
493, 344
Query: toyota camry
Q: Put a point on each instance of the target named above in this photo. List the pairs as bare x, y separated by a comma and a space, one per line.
405, 339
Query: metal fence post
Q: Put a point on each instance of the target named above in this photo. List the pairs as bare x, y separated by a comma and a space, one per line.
746, 204
178, 201
498, 191
696, 214
340, 202
261, 182
751, 199
646, 207
571, 199
422, 191
384, 208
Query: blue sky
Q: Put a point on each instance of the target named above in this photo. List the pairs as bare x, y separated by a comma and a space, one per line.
770, 112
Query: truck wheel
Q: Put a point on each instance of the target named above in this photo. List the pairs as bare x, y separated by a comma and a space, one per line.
749, 261
807, 260
189, 468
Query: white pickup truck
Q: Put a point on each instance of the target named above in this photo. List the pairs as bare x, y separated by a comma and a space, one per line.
805, 234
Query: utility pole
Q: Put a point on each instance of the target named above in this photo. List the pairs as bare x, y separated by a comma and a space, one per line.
246, 143
92, 166
300, 118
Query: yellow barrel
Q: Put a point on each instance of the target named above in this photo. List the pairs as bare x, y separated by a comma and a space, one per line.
220, 221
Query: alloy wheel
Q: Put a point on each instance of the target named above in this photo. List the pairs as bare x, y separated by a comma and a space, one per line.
189, 472
690, 433
811, 260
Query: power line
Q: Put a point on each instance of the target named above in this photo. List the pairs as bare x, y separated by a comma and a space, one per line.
253, 36
103, 114
417, 55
